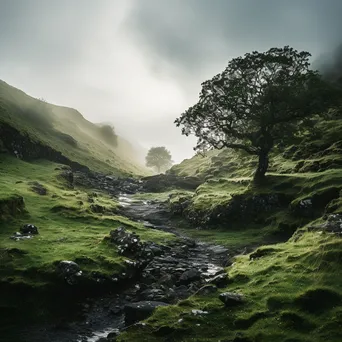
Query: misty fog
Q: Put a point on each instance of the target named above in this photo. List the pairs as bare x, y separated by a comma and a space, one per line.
139, 64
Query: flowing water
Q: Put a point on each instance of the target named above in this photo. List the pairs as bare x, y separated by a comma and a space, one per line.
101, 316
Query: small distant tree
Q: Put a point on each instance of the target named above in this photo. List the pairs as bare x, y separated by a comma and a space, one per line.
108, 134
256, 102
158, 157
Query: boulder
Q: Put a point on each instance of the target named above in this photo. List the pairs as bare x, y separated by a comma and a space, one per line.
333, 224
29, 229
70, 271
189, 276
231, 298
68, 267
135, 312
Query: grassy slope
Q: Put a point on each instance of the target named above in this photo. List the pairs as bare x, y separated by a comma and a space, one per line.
293, 293
68, 229
90, 150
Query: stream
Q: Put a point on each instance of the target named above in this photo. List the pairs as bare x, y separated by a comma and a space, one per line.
177, 271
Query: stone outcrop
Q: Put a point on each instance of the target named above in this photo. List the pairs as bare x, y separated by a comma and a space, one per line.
23, 146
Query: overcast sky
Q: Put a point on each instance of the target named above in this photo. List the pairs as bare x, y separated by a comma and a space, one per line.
140, 63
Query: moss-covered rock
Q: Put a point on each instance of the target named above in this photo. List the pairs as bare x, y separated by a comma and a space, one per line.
11, 205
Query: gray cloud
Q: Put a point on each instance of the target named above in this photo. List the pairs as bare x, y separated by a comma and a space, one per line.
140, 64
193, 33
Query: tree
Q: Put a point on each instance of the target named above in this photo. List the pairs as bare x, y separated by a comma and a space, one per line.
158, 157
256, 102
108, 134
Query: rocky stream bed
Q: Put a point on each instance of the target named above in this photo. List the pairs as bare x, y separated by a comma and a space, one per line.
166, 274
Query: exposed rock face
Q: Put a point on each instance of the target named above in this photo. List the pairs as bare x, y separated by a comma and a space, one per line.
109, 184
138, 311
68, 176
239, 208
314, 206
333, 224
179, 203
24, 147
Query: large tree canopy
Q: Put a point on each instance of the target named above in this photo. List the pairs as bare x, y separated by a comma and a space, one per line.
158, 157
255, 102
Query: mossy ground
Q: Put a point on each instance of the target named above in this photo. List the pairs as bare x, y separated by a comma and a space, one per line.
292, 292
68, 229
292, 289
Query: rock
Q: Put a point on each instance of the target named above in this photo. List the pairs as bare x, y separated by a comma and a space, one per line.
153, 295
18, 236
167, 280
182, 292
135, 312
333, 224
220, 280
189, 276
199, 312
166, 260
231, 299
29, 229
69, 267
129, 245
38, 188
68, 176
206, 290
70, 271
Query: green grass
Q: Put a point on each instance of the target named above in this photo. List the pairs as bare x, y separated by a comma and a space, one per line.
292, 292
68, 229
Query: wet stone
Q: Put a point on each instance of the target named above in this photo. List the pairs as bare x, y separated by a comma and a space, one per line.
190, 276
135, 312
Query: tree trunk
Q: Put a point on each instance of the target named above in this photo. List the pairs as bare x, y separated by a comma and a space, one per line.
262, 167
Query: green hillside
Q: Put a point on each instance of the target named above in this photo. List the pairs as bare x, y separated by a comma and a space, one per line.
66, 130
